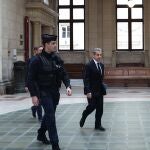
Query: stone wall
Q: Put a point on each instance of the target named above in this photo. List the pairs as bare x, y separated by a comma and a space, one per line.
100, 27
100, 31
73, 57
12, 31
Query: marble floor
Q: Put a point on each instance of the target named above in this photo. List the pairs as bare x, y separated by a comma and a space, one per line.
126, 119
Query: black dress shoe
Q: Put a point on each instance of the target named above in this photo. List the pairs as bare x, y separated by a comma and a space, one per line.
82, 121
43, 139
55, 147
100, 128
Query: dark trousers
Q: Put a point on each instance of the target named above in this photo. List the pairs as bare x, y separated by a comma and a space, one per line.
95, 103
37, 109
48, 121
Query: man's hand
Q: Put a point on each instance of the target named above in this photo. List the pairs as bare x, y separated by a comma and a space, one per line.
26, 89
35, 100
69, 91
89, 95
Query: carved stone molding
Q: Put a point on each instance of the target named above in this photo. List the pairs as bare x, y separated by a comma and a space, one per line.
37, 11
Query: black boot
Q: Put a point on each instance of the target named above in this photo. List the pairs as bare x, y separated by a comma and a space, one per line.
55, 147
42, 137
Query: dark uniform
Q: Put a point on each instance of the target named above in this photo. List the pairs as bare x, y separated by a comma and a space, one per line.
34, 109
47, 72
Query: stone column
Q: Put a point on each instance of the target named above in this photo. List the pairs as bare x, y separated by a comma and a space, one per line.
146, 58
147, 32
87, 57
49, 30
113, 61
54, 30
46, 30
2, 84
36, 33
1, 51
108, 30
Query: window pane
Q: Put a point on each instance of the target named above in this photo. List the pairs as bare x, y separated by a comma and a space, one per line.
122, 35
122, 2
78, 13
63, 32
64, 36
122, 13
78, 36
46, 2
136, 13
78, 2
137, 35
64, 13
68, 31
138, 1
64, 2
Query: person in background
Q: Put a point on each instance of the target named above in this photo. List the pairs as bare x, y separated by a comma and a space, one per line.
94, 89
35, 109
47, 72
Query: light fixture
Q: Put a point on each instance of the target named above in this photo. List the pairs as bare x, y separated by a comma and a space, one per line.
131, 3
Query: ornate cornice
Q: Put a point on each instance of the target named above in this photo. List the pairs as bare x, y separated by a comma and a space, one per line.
37, 11
41, 6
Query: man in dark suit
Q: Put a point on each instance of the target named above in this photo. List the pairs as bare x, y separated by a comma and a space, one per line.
94, 89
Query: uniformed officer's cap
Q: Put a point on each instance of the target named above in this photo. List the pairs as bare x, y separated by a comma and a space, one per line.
48, 38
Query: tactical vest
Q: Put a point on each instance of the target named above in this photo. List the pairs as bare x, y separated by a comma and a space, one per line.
47, 75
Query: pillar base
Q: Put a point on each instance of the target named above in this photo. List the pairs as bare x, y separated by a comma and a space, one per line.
6, 87
2, 88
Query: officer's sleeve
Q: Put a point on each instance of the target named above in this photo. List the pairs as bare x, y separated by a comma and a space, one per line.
32, 80
63, 73
65, 77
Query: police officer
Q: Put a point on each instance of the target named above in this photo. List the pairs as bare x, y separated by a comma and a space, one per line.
47, 72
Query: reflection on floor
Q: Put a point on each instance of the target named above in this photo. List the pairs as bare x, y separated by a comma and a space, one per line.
127, 127
126, 119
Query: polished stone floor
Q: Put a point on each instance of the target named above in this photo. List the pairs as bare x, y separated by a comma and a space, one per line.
126, 119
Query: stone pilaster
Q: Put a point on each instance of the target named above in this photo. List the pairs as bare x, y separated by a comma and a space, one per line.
113, 61
47, 30
1, 52
146, 58
36, 33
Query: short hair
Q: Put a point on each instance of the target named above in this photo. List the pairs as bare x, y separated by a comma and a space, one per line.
35, 48
94, 50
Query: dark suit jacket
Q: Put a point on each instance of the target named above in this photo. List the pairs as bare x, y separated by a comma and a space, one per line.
93, 79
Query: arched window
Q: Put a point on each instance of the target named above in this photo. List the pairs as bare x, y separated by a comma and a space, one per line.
71, 24
129, 25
